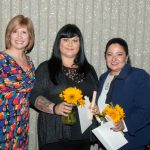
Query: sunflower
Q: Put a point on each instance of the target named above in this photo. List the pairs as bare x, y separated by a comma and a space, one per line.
116, 113
120, 110
72, 95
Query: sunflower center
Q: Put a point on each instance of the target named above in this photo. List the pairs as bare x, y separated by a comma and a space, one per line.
72, 96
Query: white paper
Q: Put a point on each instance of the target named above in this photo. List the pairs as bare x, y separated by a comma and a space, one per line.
85, 120
110, 139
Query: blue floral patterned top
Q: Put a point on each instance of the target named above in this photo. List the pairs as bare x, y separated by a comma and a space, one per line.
15, 86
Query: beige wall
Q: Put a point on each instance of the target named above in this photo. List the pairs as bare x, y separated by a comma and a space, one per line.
99, 20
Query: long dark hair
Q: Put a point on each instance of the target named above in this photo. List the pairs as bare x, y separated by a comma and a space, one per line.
55, 62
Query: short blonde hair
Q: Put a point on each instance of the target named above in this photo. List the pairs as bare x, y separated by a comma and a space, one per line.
16, 22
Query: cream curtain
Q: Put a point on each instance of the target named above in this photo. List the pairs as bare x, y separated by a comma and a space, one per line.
99, 20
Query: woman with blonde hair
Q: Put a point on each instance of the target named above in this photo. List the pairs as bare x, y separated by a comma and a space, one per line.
16, 82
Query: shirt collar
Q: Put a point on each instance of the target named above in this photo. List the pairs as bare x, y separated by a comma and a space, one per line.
124, 72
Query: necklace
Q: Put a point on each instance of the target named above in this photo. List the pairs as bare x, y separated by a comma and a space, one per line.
23, 63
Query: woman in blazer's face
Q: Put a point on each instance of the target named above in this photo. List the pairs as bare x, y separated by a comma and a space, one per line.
116, 58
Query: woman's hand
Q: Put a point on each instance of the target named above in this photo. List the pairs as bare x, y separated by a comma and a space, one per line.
63, 109
94, 109
119, 126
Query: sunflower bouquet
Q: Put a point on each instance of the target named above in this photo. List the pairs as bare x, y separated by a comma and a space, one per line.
114, 113
74, 96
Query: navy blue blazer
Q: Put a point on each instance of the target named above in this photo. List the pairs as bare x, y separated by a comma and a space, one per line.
131, 90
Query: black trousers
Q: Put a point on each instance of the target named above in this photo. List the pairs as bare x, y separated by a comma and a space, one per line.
67, 145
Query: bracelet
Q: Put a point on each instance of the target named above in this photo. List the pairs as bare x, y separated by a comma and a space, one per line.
54, 111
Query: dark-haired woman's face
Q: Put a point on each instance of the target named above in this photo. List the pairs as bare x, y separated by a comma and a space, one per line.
69, 47
116, 58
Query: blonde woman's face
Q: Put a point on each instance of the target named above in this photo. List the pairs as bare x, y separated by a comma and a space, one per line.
116, 58
19, 38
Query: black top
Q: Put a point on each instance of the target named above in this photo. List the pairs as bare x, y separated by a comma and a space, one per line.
50, 128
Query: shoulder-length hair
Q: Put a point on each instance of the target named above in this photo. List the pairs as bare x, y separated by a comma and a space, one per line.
15, 23
55, 62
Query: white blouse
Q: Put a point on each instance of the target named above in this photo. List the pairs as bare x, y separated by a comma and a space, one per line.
103, 95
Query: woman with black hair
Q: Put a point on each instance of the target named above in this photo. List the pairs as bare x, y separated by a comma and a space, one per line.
67, 67
129, 87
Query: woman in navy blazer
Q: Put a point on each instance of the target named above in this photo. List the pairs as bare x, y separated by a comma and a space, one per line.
130, 88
